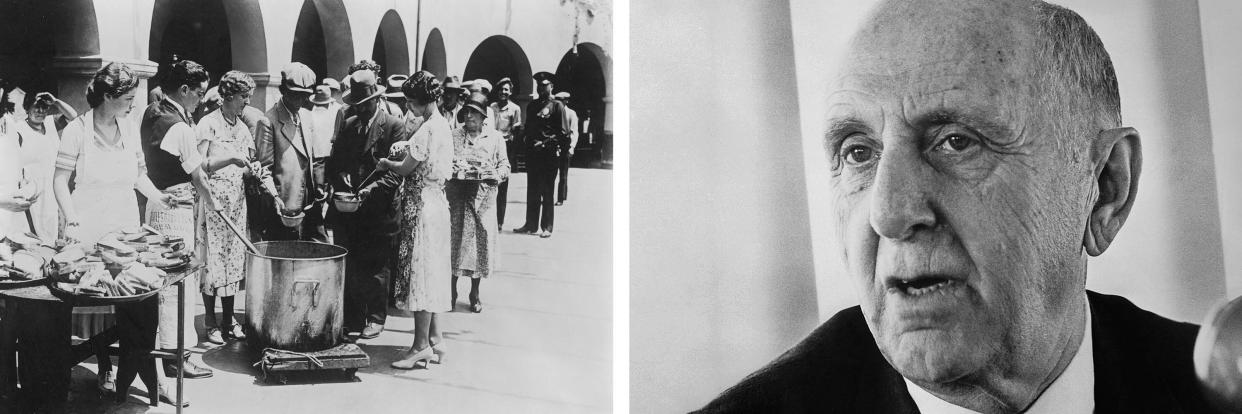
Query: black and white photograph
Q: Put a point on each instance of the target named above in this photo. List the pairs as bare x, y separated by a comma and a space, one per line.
307, 206
926, 206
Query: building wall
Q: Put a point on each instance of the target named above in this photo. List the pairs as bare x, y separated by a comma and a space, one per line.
720, 258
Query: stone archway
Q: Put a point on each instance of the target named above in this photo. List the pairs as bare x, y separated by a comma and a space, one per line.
501, 57
391, 49
434, 59
220, 35
586, 73
54, 46
323, 39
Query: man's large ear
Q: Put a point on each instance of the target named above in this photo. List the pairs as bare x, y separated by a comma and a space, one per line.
1118, 159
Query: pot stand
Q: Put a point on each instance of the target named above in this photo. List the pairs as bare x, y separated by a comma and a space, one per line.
346, 357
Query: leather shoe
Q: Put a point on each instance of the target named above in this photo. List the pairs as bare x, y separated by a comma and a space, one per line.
545, 234
560, 203
192, 370
372, 330
235, 333
524, 230
214, 336
167, 397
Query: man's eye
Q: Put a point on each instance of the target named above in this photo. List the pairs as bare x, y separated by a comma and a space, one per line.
858, 154
955, 143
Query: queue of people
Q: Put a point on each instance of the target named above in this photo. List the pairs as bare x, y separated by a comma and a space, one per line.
429, 161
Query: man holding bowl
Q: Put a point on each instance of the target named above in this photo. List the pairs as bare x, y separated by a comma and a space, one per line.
362, 215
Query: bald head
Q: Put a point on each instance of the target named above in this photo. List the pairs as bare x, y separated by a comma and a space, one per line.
1048, 59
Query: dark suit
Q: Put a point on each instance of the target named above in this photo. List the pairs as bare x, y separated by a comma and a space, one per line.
547, 136
289, 155
367, 233
1142, 364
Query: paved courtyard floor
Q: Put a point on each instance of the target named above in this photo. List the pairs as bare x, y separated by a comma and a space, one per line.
543, 343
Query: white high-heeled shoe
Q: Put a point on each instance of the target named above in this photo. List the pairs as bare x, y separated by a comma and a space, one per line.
411, 360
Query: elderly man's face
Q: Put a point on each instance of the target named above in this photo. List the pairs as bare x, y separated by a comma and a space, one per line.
960, 218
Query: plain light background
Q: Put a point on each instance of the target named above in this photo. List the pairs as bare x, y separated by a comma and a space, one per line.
730, 260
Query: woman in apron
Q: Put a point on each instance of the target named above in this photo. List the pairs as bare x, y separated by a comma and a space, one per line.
39, 139
102, 148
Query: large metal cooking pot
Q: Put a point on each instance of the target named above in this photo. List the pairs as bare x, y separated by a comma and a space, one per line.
294, 292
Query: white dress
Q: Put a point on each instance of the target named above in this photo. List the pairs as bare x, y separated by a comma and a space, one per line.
38, 153
10, 175
423, 280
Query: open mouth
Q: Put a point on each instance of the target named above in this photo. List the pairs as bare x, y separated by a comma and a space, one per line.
923, 285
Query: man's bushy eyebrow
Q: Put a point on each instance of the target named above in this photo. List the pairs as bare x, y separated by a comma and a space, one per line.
991, 128
839, 128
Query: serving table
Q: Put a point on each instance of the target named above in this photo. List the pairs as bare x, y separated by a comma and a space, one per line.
46, 355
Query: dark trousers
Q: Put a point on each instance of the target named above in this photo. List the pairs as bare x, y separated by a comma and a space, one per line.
36, 333
311, 228
368, 268
502, 198
135, 326
502, 192
562, 186
541, 175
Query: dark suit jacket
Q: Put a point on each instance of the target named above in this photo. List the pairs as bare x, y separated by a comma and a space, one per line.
288, 155
1142, 365
359, 145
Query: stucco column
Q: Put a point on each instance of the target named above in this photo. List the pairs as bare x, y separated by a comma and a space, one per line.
265, 90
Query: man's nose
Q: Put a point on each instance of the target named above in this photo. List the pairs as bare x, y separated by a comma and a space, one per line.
900, 204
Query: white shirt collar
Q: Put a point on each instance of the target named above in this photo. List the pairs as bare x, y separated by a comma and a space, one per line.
1072, 392
178, 106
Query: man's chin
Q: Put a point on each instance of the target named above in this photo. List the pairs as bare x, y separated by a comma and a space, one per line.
943, 360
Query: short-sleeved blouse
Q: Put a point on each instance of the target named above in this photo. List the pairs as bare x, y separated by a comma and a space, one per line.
433, 145
74, 138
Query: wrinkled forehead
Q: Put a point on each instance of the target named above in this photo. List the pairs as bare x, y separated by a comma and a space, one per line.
921, 47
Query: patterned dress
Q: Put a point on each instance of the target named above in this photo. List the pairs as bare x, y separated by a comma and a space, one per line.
472, 201
422, 281
225, 253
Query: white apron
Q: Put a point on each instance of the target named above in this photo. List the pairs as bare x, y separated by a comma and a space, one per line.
39, 165
104, 190
104, 198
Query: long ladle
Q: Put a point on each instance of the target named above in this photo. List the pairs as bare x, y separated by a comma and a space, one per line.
249, 246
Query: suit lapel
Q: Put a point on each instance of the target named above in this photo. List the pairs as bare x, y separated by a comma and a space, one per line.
289, 130
372, 130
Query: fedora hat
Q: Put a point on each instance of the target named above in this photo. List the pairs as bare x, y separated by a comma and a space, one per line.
394, 86
476, 102
452, 82
363, 86
323, 95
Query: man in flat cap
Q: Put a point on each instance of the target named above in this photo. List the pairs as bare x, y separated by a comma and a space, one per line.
547, 135
284, 146
977, 161
509, 123
366, 136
